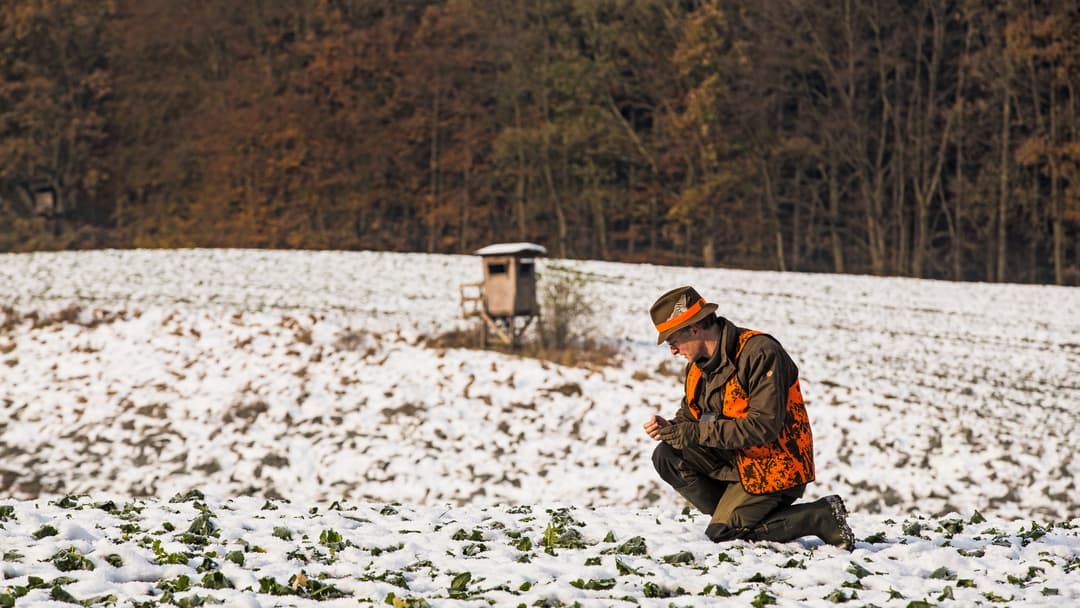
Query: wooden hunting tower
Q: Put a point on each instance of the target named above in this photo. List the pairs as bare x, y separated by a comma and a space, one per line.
507, 294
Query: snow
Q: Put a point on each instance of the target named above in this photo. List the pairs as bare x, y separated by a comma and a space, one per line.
302, 382
511, 249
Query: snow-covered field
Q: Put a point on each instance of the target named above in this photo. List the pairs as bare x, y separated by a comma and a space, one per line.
294, 391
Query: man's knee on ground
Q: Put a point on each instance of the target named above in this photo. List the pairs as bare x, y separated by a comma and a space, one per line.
732, 526
745, 519
718, 532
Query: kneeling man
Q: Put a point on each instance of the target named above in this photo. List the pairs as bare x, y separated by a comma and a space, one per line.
739, 448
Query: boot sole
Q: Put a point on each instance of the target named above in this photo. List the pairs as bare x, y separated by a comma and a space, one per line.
840, 512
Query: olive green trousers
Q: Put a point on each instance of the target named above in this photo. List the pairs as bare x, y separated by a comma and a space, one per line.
735, 513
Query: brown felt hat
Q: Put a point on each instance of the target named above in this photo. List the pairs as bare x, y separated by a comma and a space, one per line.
677, 309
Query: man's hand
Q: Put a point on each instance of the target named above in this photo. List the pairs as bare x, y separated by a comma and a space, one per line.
653, 426
680, 435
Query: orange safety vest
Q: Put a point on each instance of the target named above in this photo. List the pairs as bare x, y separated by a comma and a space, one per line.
784, 462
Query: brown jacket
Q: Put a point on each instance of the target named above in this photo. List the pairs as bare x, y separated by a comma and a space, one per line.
766, 431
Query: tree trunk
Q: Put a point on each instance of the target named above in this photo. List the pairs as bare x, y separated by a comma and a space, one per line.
464, 228
774, 215
554, 198
522, 181
957, 217
902, 262
957, 240
431, 221
1003, 192
1057, 226
875, 214
708, 251
834, 215
600, 223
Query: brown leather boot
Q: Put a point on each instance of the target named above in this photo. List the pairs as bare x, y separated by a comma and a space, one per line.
838, 531
825, 518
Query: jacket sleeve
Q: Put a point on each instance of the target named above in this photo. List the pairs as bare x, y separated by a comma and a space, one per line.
766, 372
683, 415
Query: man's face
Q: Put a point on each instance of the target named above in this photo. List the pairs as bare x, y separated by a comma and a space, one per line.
686, 342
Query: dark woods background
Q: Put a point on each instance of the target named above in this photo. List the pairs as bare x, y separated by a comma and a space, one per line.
926, 138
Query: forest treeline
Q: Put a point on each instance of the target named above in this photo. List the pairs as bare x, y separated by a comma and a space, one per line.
924, 138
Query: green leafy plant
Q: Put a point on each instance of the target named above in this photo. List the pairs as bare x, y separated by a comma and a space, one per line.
634, 546
561, 532
163, 557
651, 589
236, 557
67, 502
943, 573
189, 496
301, 585
70, 559
459, 586
876, 538
682, 557
396, 579
405, 602
114, 560
203, 525
594, 584
858, 570
841, 596
475, 535
332, 539
177, 585
216, 580
717, 590
763, 598
45, 530
474, 549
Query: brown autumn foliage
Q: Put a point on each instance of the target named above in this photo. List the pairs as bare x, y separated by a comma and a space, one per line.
925, 138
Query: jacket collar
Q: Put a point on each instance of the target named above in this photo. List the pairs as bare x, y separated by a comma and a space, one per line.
722, 361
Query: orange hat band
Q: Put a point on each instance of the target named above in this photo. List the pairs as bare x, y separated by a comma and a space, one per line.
676, 321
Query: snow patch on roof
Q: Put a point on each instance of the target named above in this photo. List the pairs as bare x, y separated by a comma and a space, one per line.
511, 249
